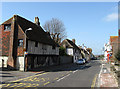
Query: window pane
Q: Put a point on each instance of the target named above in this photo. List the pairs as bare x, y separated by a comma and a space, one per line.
7, 27
20, 42
36, 44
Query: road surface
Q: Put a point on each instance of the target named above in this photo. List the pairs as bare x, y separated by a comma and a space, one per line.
71, 76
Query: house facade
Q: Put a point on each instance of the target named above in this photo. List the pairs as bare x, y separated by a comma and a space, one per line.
115, 43
72, 49
107, 50
25, 49
112, 47
85, 53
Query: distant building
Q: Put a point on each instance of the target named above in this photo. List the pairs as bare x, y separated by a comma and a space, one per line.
85, 53
107, 50
23, 49
112, 46
72, 49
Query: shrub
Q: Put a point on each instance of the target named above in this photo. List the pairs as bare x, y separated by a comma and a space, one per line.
117, 55
62, 51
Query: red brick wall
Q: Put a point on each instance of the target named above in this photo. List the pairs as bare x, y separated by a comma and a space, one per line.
0, 39
5, 36
5, 41
20, 51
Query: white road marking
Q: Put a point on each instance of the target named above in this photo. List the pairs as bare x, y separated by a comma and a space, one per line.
100, 81
105, 71
75, 71
63, 77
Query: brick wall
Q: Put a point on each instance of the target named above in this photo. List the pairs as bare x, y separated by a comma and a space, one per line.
0, 39
5, 39
20, 51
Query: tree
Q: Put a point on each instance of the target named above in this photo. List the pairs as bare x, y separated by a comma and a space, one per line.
89, 50
56, 29
62, 51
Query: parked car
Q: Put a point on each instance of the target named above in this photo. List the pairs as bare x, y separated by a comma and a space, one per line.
94, 58
85, 60
80, 61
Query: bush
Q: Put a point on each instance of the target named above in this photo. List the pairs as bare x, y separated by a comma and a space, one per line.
112, 68
62, 51
117, 55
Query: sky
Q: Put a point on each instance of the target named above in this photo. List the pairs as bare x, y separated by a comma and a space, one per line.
89, 23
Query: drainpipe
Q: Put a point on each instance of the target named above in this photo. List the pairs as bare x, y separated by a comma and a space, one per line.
29, 29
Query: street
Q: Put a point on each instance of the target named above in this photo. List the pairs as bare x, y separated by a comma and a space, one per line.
71, 76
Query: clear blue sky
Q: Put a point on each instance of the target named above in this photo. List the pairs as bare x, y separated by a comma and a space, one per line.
91, 23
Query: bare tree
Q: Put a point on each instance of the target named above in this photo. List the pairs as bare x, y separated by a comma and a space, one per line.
56, 29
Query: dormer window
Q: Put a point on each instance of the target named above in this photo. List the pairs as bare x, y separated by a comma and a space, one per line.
7, 27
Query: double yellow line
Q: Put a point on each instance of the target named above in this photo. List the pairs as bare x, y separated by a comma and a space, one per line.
94, 81
23, 79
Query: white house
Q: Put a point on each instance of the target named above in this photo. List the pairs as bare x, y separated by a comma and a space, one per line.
72, 49
107, 50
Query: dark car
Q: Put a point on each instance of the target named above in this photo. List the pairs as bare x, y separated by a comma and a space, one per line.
94, 58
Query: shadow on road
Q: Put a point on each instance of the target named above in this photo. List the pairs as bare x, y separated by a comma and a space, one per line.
6, 76
4, 73
65, 67
9, 82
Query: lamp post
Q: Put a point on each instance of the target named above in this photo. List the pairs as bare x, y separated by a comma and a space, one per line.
29, 29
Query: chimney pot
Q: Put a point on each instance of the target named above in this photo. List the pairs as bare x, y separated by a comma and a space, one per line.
73, 40
37, 21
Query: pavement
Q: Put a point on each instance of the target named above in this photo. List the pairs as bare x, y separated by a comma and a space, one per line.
106, 77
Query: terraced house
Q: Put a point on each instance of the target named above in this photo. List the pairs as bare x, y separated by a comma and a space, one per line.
72, 49
25, 45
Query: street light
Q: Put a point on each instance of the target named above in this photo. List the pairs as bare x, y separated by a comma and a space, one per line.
29, 29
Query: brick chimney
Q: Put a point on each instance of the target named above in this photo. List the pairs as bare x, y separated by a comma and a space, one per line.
73, 40
37, 21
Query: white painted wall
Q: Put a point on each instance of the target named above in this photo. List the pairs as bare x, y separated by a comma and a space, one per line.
20, 63
69, 51
5, 61
107, 47
41, 49
76, 54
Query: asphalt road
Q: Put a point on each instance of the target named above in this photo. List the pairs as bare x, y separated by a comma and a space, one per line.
72, 76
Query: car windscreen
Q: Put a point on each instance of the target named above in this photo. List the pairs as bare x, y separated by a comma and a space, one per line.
80, 59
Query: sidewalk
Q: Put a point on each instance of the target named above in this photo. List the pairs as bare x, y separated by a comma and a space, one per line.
106, 77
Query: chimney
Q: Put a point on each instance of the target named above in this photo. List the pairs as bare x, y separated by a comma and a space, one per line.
119, 32
48, 33
73, 40
37, 21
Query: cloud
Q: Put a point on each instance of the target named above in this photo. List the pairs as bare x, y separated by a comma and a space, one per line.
111, 17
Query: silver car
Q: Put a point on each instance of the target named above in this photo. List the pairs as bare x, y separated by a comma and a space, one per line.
80, 61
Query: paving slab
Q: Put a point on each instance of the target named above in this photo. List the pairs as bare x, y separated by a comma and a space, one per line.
107, 78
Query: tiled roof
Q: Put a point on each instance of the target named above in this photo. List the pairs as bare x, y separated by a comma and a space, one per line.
113, 39
36, 34
71, 44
